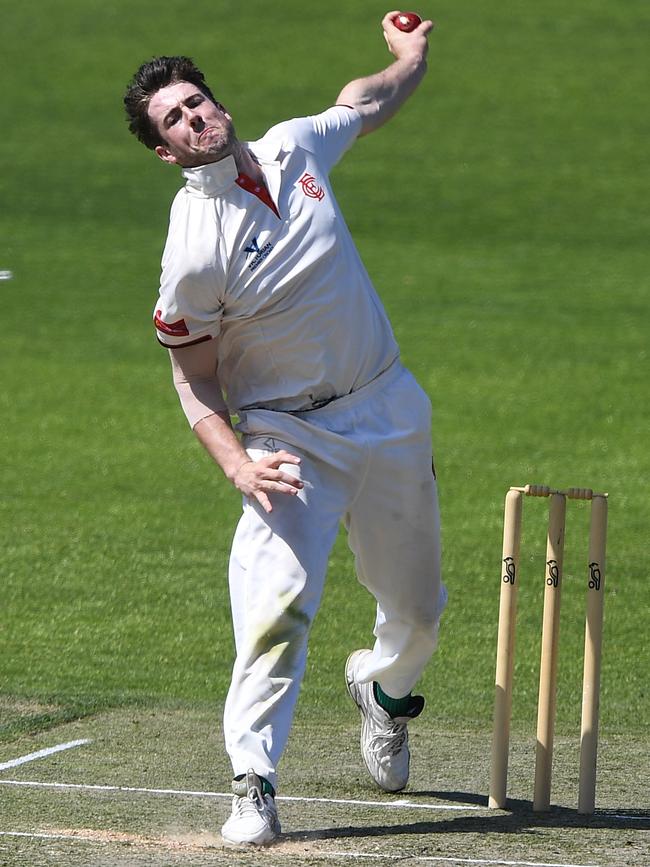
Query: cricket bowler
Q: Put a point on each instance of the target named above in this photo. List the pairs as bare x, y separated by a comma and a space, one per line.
269, 316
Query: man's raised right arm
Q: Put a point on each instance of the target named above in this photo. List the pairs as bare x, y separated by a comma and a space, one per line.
378, 97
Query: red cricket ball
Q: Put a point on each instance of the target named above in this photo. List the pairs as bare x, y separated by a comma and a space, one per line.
407, 21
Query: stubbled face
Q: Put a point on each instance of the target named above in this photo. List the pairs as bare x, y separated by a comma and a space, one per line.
194, 129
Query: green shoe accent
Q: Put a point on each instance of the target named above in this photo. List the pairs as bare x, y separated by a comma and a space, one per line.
267, 788
240, 786
408, 707
393, 706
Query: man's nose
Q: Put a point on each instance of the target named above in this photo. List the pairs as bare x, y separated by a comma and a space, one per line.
196, 121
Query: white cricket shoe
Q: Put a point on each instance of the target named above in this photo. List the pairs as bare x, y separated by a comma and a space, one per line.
384, 739
254, 817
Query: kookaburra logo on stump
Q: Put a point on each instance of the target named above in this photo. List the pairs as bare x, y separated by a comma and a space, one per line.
553, 573
594, 576
511, 569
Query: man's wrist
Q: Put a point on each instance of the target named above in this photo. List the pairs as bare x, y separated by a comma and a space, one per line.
412, 62
231, 475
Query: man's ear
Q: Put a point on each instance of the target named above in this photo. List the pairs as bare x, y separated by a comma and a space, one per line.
165, 154
223, 108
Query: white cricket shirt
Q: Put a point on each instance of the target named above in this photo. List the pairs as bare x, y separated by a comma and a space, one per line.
279, 284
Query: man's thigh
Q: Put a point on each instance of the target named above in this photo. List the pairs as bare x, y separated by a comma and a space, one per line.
279, 559
394, 523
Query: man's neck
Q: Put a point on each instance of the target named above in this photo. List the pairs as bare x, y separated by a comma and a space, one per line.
247, 165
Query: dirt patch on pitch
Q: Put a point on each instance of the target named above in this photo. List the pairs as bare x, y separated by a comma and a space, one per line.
180, 843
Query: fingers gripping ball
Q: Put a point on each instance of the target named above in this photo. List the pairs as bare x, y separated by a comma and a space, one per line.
407, 21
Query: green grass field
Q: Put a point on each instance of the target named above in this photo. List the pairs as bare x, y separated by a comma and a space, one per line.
503, 217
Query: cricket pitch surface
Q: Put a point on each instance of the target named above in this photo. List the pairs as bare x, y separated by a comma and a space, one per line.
138, 787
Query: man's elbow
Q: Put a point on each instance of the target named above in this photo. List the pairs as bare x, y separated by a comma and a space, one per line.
368, 109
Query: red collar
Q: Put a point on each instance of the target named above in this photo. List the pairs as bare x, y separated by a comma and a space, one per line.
259, 190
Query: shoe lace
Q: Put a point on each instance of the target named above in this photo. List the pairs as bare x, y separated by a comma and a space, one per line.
389, 740
251, 804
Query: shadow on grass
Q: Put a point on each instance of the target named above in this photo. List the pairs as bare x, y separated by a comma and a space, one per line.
519, 818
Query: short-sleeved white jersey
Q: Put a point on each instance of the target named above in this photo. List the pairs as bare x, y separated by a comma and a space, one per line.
279, 285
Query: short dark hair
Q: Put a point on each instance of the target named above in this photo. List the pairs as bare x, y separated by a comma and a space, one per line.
149, 79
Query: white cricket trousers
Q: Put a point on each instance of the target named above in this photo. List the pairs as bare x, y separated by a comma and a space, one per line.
366, 461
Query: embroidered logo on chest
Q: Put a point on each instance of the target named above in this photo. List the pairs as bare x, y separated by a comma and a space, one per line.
311, 187
258, 253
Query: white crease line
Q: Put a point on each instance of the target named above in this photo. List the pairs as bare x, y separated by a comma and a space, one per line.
403, 804
439, 859
41, 754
